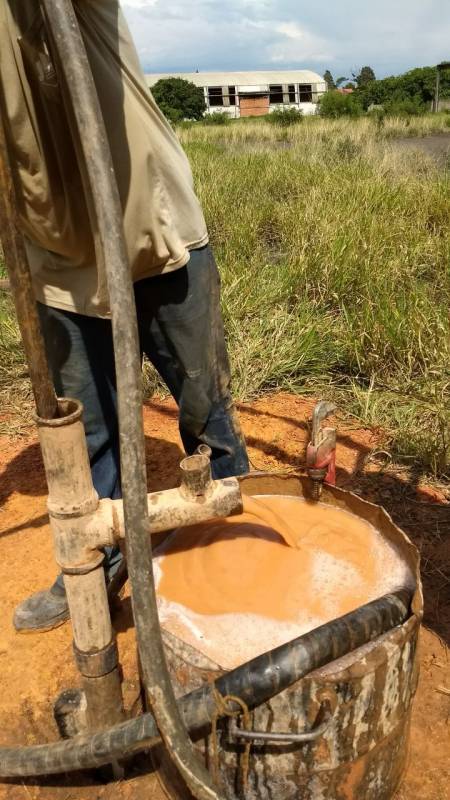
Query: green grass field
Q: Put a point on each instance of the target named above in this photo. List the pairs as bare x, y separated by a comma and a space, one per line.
333, 244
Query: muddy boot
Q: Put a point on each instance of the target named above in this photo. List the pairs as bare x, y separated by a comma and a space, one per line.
42, 611
49, 609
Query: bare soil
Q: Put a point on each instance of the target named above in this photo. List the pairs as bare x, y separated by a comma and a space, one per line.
35, 668
437, 146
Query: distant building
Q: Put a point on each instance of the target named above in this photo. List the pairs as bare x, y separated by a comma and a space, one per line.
253, 94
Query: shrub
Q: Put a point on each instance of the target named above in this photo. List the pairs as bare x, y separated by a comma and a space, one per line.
408, 107
216, 118
336, 104
378, 114
285, 117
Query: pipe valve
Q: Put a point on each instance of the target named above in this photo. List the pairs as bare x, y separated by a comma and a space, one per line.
321, 451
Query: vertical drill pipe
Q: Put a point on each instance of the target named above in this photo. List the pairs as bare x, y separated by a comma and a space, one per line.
73, 62
71, 496
20, 283
61, 470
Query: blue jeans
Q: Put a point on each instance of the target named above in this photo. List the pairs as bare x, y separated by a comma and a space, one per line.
181, 332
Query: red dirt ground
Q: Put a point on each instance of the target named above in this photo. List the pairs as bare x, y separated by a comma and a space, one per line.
34, 668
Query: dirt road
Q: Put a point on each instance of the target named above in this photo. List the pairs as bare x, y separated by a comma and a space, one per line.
437, 146
35, 668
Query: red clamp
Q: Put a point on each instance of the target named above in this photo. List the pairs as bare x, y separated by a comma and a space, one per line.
321, 451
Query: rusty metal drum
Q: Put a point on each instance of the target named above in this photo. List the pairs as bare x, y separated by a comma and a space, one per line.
360, 752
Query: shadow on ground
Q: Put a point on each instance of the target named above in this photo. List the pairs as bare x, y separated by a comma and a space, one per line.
277, 432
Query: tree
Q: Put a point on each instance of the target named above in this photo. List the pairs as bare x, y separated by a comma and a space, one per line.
340, 81
329, 80
415, 89
179, 99
366, 75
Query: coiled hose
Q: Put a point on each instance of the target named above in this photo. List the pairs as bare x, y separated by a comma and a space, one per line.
254, 682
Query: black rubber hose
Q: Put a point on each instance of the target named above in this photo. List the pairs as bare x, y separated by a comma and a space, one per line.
89, 129
254, 682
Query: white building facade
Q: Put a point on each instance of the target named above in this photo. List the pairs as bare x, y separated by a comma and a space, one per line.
252, 94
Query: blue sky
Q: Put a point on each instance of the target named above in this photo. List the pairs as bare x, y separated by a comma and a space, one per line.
389, 35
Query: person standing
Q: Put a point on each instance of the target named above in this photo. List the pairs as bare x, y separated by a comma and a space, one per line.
176, 281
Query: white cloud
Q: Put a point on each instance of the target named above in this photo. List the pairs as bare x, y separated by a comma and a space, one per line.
300, 44
244, 34
291, 29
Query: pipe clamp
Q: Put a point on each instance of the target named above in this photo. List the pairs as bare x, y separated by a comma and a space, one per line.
83, 569
88, 506
95, 665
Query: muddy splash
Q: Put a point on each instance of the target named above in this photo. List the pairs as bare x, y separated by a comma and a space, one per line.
235, 588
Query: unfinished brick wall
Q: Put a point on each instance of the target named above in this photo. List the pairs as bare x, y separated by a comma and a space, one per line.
254, 106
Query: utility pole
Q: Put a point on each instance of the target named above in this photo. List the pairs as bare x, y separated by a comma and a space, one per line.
439, 69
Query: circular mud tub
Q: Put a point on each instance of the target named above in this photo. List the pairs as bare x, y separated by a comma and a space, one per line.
361, 751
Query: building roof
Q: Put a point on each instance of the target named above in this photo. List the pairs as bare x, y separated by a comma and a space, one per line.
240, 78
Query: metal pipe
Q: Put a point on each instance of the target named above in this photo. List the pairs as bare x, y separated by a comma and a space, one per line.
255, 682
71, 493
170, 509
290, 738
72, 498
196, 478
74, 66
20, 282
82, 525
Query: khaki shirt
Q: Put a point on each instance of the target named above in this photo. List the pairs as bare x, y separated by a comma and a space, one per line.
162, 216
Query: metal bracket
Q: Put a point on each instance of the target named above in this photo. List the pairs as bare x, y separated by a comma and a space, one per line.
325, 714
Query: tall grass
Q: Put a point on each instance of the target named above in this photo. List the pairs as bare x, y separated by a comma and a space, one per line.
15, 392
333, 245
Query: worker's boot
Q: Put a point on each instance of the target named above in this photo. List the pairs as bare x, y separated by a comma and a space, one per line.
42, 611
48, 609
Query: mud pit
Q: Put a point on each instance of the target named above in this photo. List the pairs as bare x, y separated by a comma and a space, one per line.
275, 572
35, 668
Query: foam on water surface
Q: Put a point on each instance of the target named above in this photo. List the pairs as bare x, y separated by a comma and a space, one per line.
234, 588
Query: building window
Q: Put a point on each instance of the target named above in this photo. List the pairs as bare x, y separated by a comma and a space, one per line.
215, 96
232, 95
305, 92
291, 90
276, 94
